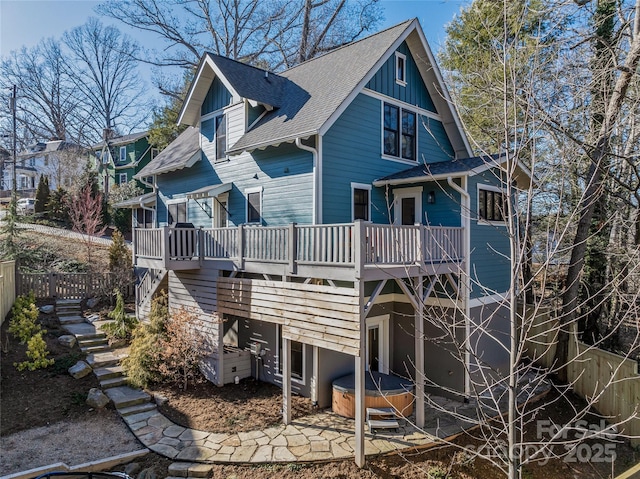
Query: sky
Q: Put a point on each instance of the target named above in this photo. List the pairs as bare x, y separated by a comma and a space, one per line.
26, 22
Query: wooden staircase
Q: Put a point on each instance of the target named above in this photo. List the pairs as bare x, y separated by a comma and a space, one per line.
151, 281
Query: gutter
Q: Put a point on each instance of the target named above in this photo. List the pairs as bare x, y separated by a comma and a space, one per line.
314, 152
465, 213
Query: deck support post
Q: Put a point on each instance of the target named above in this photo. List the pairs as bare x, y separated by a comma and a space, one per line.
314, 376
360, 372
286, 380
419, 352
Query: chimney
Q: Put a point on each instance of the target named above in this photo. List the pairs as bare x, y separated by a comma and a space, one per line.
107, 134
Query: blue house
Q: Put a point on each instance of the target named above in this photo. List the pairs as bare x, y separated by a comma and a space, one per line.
333, 229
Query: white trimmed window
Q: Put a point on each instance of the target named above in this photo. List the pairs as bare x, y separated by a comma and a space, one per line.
360, 202
122, 178
297, 357
154, 152
254, 204
399, 132
221, 137
491, 204
123, 154
401, 69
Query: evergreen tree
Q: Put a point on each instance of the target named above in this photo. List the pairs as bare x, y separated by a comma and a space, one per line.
42, 195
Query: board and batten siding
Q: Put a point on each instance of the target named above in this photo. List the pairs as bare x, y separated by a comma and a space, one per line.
323, 316
489, 245
352, 152
413, 93
217, 97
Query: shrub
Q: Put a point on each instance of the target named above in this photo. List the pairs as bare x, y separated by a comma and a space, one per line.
182, 348
37, 352
142, 364
123, 324
24, 315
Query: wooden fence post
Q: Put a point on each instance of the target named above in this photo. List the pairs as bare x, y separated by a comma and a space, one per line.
52, 285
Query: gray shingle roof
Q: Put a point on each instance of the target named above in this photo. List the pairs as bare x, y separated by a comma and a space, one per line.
251, 82
441, 168
315, 89
179, 154
122, 140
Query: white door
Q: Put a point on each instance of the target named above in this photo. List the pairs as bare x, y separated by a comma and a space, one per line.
407, 205
377, 353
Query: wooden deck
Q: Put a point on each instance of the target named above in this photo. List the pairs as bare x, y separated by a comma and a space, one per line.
336, 251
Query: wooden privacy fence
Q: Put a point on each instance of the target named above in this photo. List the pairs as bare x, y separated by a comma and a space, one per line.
7, 287
68, 285
592, 371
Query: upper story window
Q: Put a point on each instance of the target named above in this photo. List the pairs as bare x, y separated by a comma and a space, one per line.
123, 154
491, 205
221, 137
122, 178
154, 153
361, 202
254, 205
399, 130
401, 69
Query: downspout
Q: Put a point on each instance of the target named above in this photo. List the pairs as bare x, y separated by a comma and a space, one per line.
153, 188
465, 213
314, 152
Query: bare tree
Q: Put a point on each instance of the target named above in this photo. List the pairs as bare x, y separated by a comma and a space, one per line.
103, 67
85, 213
272, 34
47, 101
540, 127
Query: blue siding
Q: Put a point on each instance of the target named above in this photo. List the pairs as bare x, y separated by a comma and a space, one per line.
352, 152
414, 93
217, 97
489, 246
284, 173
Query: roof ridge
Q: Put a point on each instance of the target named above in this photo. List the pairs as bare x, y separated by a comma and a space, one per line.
241, 63
346, 45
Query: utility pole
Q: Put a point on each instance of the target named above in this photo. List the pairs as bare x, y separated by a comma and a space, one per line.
14, 192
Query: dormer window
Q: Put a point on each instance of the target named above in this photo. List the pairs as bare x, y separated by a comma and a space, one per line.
123, 154
401, 69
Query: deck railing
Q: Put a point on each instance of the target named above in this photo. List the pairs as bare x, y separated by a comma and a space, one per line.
333, 244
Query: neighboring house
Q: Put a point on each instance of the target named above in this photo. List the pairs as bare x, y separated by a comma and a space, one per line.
334, 204
118, 159
58, 160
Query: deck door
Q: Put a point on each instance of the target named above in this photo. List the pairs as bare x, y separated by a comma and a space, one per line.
407, 205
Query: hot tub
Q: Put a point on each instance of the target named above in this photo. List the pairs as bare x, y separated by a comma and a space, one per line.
381, 390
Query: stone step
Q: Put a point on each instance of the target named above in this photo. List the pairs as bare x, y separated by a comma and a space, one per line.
87, 342
113, 382
101, 360
109, 372
189, 469
68, 311
137, 409
83, 331
125, 396
70, 320
95, 349
64, 302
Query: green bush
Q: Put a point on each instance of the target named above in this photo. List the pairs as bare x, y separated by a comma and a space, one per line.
123, 324
24, 315
37, 352
142, 364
